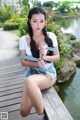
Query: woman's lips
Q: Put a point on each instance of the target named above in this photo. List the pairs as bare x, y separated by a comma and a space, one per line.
37, 28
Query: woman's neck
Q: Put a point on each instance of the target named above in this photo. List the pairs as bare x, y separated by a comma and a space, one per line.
37, 34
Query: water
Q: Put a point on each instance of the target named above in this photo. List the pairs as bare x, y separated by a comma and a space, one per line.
71, 25
70, 90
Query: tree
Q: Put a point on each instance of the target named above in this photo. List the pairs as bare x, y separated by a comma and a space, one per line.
50, 4
64, 7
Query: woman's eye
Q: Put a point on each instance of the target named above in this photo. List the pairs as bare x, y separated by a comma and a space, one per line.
42, 21
34, 21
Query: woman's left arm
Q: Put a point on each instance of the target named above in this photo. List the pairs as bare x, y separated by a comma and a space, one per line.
55, 57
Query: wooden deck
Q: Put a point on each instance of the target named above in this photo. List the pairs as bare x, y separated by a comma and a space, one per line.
11, 83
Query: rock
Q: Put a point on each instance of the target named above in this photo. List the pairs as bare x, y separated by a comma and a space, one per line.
72, 37
68, 68
76, 59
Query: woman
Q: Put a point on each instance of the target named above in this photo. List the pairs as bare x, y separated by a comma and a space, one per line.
34, 44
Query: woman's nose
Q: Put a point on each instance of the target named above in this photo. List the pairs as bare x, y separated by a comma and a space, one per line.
38, 24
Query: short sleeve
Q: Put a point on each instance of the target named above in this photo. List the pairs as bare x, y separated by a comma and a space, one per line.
53, 38
21, 44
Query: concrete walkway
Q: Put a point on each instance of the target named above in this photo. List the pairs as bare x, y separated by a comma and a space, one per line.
8, 45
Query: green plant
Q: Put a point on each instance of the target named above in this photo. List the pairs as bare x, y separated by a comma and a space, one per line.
58, 64
23, 26
16, 18
12, 26
5, 13
51, 26
77, 44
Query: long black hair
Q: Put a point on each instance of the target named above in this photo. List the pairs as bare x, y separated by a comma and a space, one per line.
34, 49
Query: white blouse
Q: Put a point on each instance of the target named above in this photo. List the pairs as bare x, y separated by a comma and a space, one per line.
23, 44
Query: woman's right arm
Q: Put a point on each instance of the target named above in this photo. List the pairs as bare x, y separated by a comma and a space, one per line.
27, 63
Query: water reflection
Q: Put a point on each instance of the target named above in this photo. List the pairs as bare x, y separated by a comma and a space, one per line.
71, 25
70, 94
64, 86
70, 90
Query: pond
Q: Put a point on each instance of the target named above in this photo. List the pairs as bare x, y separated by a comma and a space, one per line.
70, 90
71, 25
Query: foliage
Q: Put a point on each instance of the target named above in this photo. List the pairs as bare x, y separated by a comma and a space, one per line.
63, 8
24, 11
23, 27
11, 26
58, 64
65, 49
77, 44
16, 18
4, 14
1, 25
13, 23
50, 27
49, 4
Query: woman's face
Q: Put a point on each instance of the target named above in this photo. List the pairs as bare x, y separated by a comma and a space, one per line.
37, 22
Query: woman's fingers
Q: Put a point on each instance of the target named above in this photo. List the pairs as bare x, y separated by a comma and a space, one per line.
41, 63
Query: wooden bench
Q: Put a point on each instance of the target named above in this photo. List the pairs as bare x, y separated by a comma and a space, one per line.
11, 84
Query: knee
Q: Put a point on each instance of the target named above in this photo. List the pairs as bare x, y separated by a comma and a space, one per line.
28, 82
24, 112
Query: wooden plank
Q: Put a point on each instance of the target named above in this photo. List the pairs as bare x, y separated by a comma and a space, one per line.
10, 108
13, 91
11, 72
10, 102
11, 83
14, 106
11, 96
49, 110
11, 87
16, 116
13, 68
8, 61
11, 77
59, 110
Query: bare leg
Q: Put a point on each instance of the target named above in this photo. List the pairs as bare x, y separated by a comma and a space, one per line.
34, 85
26, 104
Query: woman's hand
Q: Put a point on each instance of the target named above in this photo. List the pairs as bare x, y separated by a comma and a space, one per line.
41, 63
43, 51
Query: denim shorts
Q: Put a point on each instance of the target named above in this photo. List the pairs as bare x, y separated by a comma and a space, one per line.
50, 71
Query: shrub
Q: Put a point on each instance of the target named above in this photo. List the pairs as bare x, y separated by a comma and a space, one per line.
77, 44
23, 26
4, 14
51, 27
16, 18
11, 26
58, 64
1, 25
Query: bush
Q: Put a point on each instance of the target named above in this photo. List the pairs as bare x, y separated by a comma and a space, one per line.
51, 27
58, 64
16, 18
23, 27
77, 44
11, 26
4, 14
1, 25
